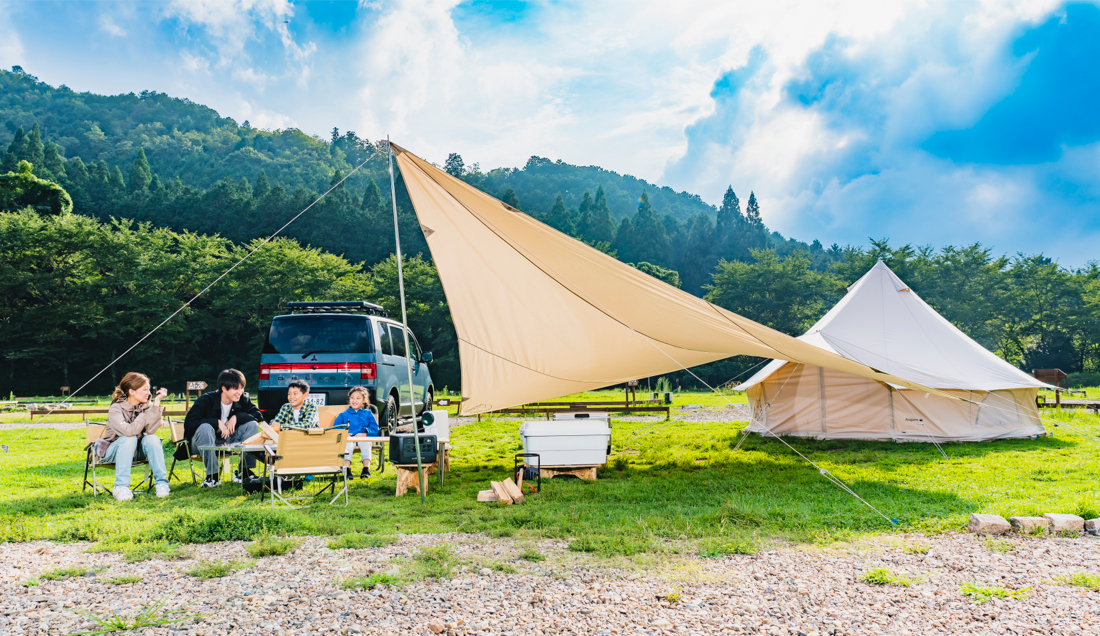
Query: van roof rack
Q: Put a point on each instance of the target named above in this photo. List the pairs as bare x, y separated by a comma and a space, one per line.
337, 307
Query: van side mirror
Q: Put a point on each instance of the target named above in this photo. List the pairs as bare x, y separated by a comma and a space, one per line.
426, 356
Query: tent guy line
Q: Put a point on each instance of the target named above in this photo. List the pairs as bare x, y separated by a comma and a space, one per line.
193, 299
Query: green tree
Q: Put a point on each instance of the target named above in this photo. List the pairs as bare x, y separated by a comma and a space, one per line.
670, 276
756, 234
558, 217
511, 199
651, 243
730, 224
372, 198
624, 241
24, 190
429, 315
116, 182
454, 166
785, 294
140, 175
53, 164
33, 149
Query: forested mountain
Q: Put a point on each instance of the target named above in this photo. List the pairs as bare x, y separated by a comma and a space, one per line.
151, 157
204, 189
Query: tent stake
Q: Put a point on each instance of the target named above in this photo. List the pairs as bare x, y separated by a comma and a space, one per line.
405, 325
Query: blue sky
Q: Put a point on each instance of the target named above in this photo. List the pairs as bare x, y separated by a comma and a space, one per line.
924, 122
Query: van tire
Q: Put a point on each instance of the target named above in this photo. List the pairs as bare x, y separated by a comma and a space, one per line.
429, 401
390, 413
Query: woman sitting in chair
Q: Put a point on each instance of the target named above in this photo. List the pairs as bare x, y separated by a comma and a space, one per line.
132, 424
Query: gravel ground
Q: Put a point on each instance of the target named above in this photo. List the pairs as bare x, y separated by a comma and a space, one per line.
790, 590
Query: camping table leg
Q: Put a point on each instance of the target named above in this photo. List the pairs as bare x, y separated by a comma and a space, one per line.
439, 450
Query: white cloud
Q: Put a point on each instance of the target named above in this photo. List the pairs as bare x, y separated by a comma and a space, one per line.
11, 47
108, 25
259, 117
194, 63
232, 24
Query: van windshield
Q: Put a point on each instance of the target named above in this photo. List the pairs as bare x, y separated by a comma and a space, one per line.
315, 334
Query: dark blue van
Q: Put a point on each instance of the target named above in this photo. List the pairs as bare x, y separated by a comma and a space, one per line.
334, 346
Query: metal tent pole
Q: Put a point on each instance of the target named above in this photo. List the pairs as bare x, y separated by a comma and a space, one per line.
405, 325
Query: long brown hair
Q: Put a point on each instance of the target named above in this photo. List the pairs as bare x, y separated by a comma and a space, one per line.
132, 381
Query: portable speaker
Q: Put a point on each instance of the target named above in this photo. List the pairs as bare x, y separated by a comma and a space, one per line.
403, 448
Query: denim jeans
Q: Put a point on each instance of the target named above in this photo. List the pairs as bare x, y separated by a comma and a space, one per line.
124, 450
208, 435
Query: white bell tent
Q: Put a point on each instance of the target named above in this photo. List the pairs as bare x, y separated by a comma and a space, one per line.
883, 324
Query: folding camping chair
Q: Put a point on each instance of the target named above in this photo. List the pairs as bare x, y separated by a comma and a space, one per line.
92, 432
312, 451
178, 440
328, 416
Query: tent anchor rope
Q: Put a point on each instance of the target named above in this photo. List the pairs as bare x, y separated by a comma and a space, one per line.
193, 299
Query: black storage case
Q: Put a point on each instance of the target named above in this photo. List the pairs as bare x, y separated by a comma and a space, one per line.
403, 448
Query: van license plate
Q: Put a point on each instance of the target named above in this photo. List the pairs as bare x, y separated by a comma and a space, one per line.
320, 399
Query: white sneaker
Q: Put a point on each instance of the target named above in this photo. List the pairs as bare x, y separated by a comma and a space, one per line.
122, 494
163, 490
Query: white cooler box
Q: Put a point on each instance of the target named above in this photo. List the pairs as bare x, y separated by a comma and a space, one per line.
567, 442
441, 428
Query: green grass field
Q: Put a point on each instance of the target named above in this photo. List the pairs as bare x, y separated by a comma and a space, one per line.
668, 486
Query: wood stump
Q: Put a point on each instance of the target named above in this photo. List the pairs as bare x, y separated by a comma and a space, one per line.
407, 478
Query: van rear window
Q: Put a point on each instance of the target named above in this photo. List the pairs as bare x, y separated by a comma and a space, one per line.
319, 334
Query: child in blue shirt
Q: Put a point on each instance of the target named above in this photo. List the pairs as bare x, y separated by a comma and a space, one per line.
359, 421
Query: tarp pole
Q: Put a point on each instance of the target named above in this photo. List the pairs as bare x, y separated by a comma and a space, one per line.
405, 324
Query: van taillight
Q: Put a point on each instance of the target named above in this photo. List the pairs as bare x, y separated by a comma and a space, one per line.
265, 371
368, 371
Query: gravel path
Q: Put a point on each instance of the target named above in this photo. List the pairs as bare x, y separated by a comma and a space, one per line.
790, 590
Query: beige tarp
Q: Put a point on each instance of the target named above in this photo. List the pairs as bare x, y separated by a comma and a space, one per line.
540, 315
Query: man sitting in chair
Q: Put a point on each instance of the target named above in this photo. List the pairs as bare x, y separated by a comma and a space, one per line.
297, 412
219, 418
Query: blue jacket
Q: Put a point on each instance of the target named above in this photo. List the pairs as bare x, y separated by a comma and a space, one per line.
357, 422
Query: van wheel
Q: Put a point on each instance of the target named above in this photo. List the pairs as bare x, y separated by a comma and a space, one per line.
391, 413
429, 402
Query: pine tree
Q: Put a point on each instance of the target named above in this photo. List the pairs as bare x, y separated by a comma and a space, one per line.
558, 217
140, 174
511, 199
10, 163
698, 257
729, 220
601, 227
53, 163
757, 233
75, 172
624, 241
16, 146
262, 186
33, 150
584, 215
651, 243
372, 198
115, 181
